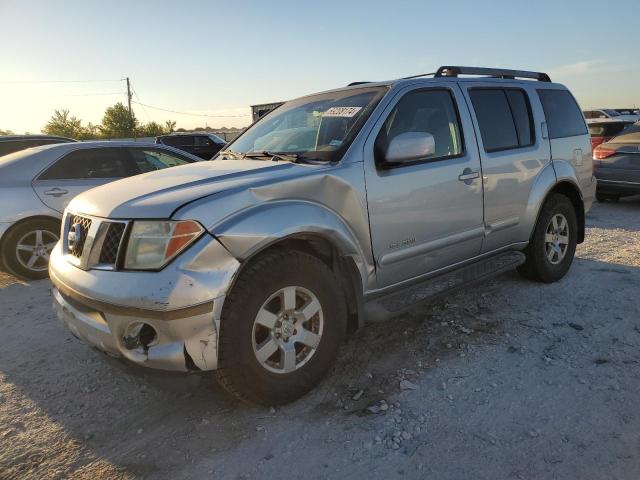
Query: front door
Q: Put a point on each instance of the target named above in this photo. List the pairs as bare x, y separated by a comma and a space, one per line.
427, 214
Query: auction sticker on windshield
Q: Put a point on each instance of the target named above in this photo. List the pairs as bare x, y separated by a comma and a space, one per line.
342, 112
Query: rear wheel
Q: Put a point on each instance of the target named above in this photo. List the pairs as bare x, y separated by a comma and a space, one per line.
27, 247
281, 327
553, 244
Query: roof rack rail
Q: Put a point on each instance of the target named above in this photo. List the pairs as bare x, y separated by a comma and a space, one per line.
356, 83
455, 71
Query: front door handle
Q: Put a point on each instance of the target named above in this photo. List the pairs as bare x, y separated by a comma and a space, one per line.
56, 192
468, 175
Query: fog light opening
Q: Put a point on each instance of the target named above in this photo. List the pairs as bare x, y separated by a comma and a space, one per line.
139, 335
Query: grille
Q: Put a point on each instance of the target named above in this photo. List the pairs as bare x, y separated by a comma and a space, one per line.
77, 247
111, 244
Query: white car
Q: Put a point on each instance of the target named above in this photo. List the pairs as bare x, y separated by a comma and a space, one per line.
36, 185
610, 113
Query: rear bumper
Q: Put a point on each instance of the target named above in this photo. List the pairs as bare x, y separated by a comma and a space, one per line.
618, 187
180, 305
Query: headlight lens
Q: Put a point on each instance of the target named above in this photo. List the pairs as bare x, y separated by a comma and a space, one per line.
153, 244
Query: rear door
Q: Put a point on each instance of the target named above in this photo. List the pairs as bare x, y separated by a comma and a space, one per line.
427, 214
513, 151
81, 170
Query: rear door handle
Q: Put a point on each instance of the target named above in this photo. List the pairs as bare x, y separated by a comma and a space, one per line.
468, 175
56, 192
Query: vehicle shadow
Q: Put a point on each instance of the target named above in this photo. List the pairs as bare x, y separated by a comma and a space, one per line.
62, 391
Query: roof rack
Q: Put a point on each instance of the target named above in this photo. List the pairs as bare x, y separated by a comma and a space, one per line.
356, 83
455, 71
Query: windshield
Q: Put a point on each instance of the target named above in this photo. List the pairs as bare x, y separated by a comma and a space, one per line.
612, 113
317, 127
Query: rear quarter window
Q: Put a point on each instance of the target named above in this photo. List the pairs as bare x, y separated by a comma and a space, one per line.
563, 115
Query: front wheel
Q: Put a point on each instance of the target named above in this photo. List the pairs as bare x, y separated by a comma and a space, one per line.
27, 247
553, 244
281, 327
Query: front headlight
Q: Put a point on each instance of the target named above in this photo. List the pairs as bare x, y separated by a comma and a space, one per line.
152, 244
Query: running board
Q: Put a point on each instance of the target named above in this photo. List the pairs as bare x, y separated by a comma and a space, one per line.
394, 303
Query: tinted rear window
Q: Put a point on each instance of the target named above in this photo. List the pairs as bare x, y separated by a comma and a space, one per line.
564, 118
629, 136
504, 118
178, 141
607, 129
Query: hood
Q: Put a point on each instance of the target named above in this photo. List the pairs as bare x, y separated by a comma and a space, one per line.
158, 194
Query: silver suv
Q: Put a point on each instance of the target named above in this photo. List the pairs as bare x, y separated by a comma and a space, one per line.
332, 210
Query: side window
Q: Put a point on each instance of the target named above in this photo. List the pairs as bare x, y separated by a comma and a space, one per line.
178, 141
429, 111
90, 163
521, 111
150, 159
588, 114
504, 118
202, 141
564, 118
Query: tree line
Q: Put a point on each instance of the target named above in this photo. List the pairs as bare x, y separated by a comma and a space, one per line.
116, 123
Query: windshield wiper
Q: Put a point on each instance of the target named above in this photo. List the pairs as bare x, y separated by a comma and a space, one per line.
231, 153
287, 157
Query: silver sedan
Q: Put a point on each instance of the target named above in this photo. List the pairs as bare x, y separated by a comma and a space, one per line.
37, 184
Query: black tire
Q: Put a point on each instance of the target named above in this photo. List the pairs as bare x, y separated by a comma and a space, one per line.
17, 262
538, 266
601, 197
239, 371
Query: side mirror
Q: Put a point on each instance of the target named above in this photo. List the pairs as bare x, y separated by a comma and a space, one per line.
409, 147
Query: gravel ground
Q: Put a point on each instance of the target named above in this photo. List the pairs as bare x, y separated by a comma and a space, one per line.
509, 380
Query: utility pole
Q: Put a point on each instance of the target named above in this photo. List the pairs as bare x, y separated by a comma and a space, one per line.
132, 130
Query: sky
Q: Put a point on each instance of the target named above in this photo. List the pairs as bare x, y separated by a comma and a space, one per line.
217, 58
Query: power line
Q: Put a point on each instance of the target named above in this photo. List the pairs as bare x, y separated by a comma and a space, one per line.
138, 102
89, 94
192, 114
60, 81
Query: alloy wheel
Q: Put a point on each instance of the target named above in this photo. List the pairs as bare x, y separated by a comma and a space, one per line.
287, 329
556, 238
34, 248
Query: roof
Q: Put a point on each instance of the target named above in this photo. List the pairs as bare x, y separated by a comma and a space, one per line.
178, 134
6, 138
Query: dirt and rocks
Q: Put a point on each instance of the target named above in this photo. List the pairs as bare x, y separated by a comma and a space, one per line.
507, 380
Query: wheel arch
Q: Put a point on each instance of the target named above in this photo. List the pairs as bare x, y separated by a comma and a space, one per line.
21, 222
326, 250
4, 265
572, 192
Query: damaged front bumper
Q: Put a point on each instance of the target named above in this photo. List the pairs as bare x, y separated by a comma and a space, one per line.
167, 320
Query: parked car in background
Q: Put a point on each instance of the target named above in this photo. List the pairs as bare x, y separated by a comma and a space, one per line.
37, 184
337, 207
617, 165
203, 145
604, 129
15, 143
629, 112
608, 113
